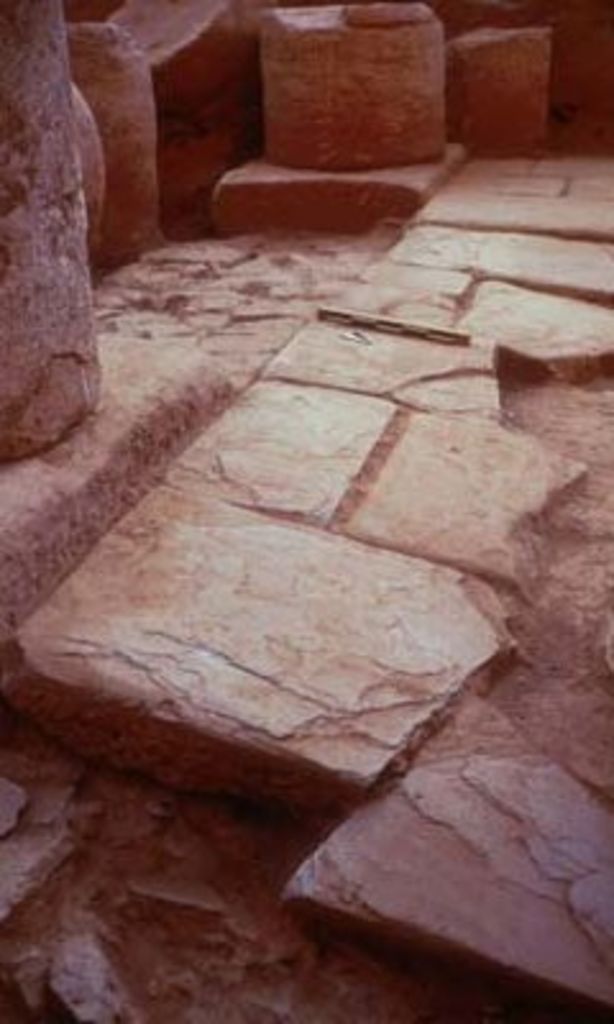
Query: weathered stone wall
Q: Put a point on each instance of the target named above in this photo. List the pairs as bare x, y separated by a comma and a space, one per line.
48, 366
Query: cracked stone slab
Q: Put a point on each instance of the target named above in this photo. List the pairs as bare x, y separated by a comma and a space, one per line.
571, 216
286, 448
260, 196
580, 268
425, 295
463, 490
216, 648
484, 848
572, 339
374, 362
155, 393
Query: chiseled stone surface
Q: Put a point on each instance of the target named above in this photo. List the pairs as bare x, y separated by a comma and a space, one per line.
261, 196
574, 339
287, 449
551, 264
375, 362
469, 206
348, 88
462, 490
56, 506
50, 373
217, 648
484, 847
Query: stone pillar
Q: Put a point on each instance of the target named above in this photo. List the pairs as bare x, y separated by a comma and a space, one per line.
112, 72
353, 87
49, 374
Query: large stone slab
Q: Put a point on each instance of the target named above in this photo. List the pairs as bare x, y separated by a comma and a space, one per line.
485, 848
264, 197
374, 362
426, 295
552, 264
573, 339
564, 217
219, 649
289, 449
56, 506
463, 490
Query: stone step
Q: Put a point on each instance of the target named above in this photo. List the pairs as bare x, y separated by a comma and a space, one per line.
218, 648
156, 392
265, 197
484, 848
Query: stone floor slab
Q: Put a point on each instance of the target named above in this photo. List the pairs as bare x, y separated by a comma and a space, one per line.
467, 392
264, 197
156, 392
573, 339
216, 648
585, 269
373, 362
463, 490
287, 449
485, 848
426, 295
563, 217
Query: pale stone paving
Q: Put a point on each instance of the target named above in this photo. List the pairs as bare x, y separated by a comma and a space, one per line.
237, 647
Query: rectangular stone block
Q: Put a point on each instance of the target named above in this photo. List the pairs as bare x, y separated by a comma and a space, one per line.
498, 88
264, 197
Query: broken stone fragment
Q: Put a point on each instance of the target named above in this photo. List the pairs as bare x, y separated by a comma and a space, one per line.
84, 985
50, 373
13, 799
486, 848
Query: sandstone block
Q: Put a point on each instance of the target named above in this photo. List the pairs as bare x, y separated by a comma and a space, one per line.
353, 87
219, 648
498, 88
49, 375
93, 171
263, 197
113, 74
